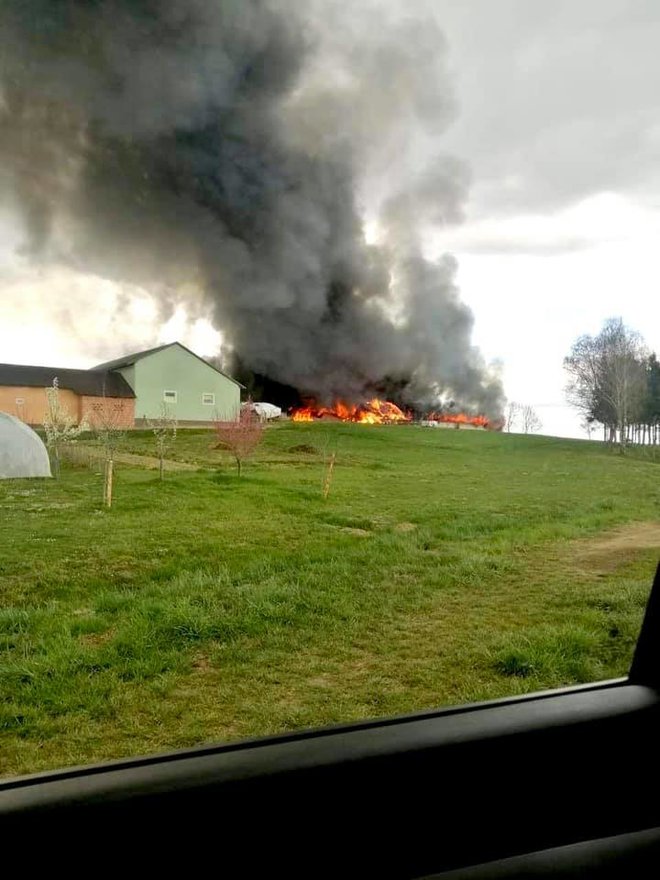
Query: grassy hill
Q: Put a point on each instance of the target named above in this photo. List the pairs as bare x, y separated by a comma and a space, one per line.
444, 566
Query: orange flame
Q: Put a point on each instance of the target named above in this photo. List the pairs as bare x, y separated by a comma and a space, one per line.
459, 419
373, 412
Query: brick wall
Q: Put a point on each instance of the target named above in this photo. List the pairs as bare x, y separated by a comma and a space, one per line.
116, 411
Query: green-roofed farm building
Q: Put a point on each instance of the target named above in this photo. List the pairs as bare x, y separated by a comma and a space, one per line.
134, 388
194, 391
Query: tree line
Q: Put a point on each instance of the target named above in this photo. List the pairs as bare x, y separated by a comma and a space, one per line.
614, 381
522, 416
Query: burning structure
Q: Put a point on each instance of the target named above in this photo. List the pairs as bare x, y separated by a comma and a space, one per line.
371, 412
248, 146
384, 412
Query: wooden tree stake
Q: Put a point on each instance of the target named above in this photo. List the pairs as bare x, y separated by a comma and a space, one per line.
328, 475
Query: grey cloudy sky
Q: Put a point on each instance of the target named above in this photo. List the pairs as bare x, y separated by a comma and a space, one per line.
559, 124
558, 100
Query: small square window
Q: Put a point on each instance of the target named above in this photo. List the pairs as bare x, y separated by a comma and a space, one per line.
208, 398
169, 396
20, 401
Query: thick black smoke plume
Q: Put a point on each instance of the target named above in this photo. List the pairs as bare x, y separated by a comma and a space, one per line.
231, 148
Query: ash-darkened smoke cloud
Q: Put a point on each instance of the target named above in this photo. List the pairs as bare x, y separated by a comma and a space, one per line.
232, 149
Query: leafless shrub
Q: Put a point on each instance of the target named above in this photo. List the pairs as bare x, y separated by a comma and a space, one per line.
241, 436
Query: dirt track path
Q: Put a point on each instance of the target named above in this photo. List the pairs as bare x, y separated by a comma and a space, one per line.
149, 462
617, 545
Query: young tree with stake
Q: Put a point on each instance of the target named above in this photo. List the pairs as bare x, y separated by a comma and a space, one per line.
106, 419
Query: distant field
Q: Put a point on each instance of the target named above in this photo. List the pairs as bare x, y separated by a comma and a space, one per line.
445, 566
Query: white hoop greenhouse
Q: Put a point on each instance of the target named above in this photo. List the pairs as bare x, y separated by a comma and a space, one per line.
22, 452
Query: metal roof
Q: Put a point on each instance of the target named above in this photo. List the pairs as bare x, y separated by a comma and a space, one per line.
93, 383
129, 359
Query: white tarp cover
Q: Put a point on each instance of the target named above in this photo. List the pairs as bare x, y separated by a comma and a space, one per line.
22, 452
267, 410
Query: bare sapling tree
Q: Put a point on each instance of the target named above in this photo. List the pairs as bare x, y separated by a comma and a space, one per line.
529, 419
240, 436
107, 423
164, 430
512, 413
60, 426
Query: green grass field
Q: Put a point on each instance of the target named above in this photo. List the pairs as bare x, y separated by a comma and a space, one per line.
445, 566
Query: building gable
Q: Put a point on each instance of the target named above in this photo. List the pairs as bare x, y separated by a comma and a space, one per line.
191, 388
129, 360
